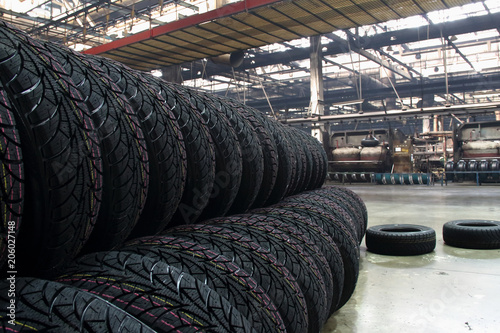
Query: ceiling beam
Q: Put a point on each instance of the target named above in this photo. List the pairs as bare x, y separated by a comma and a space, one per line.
370, 56
403, 36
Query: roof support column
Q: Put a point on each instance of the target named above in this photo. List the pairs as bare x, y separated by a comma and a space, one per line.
316, 105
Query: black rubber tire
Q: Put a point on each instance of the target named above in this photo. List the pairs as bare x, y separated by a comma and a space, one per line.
161, 296
251, 154
351, 208
322, 241
200, 152
356, 199
61, 155
164, 144
11, 179
321, 165
269, 272
269, 151
347, 244
125, 166
472, 234
341, 214
228, 161
295, 257
49, 306
309, 161
400, 239
287, 164
301, 161
219, 273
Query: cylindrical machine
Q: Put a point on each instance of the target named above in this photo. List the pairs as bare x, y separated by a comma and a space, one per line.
377, 153
481, 149
346, 154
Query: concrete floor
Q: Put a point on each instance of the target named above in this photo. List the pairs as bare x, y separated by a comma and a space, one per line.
447, 291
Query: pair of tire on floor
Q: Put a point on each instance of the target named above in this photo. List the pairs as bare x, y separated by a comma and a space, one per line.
284, 268
410, 239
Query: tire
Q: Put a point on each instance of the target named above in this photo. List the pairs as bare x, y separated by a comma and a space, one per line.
287, 165
301, 162
400, 239
351, 208
321, 166
200, 152
347, 244
251, 154
309, 162
324, 242
11, 177
219, 273
472, 234
228, 161
125, 166
356, 199
43, 305
295, 257
164, 145
269, 273
61, 155
161, 296
269, 151
340, 213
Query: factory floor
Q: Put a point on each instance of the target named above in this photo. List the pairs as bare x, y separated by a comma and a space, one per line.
450, 290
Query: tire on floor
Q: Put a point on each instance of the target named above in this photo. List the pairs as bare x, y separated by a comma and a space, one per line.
400, 239
472, 234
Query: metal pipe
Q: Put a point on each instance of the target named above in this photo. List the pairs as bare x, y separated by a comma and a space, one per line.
455, 109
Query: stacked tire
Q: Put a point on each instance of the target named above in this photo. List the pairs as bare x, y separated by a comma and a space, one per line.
283, 268
95, 155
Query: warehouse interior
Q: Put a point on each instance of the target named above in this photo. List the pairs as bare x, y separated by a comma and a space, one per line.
403, 95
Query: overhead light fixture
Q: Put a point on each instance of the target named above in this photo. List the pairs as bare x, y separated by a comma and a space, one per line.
389, 48
453, 38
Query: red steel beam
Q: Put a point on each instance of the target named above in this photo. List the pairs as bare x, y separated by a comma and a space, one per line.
227, 10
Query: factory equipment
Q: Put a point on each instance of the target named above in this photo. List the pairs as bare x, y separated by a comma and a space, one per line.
355, 155
476, 153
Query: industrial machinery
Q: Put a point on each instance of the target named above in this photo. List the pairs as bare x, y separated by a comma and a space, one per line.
355, 155
387, 156
476, 153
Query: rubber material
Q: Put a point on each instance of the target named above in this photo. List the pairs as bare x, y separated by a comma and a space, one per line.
11, 180
49, 306
295, 257
161, 296
125, 166
61, 152
472, 234
218, 272
348, 245
400, 239
296, 223
164, 145
269, 272
200, 152
228, 161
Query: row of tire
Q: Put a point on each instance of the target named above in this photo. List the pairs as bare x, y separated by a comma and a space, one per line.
284, 268
94, 153
466, 170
